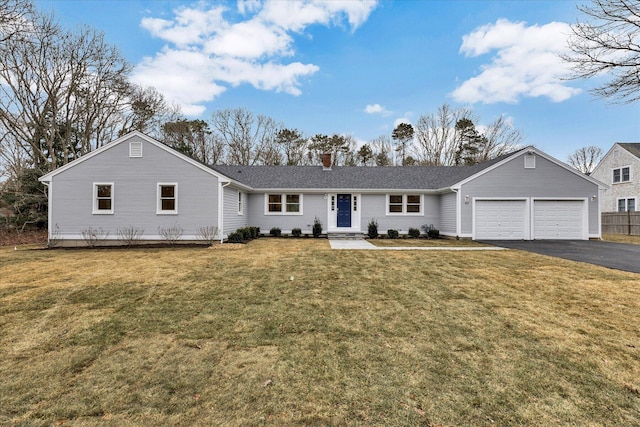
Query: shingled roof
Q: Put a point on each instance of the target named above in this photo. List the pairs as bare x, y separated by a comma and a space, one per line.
632, 147
353, 177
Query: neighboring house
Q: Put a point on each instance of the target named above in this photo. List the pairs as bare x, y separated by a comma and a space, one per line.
620, 170
136, 181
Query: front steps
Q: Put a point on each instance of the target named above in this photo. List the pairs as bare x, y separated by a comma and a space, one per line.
345, 236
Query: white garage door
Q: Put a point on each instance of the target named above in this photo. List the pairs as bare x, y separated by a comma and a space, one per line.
557, 219
500, 219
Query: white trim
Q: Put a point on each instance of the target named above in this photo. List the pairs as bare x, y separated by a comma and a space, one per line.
283, 203
527, 215
404, 204
626, 204
525, 151
356, 214
241, 201
95, 210
621, 179
159, 210
221, 187
585, 212
611, 151
145, 138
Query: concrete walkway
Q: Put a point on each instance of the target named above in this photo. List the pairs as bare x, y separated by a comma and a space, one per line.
366, 246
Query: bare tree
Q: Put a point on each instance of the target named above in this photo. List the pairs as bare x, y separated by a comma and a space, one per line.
382, 150
14, 17
501, 138
249, 139
436, 135
585, 159
61, 90
608, 43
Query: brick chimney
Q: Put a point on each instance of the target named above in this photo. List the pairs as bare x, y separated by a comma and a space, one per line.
326, 161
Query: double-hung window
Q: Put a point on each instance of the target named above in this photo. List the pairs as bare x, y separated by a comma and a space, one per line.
283, 204
167, 198
627, 205
404, 204
103, 198
621, 175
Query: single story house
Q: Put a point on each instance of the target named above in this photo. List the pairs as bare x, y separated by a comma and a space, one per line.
136, 182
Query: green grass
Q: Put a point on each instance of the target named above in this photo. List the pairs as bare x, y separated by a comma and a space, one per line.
288, 332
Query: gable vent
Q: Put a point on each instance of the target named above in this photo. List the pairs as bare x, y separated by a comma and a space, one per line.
135, 149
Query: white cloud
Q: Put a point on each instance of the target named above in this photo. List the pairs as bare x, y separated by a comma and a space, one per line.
206, 52
527, 63
397, 121
376, 109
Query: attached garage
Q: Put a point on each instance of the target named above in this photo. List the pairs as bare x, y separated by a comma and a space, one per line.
558, 219
526, 219
500, 219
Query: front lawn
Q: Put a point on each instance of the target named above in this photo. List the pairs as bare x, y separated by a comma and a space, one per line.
621, 238
288, 332
422, 243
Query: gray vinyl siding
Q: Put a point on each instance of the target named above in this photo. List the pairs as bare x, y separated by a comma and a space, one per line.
231, 220
546, 180
448, 214
374, 207
313, 205
134, 193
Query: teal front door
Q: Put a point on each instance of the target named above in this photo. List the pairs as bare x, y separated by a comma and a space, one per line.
344, 210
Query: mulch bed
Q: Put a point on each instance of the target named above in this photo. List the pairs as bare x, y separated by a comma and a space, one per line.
27, 237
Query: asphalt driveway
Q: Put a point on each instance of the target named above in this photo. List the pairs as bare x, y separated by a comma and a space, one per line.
620, 256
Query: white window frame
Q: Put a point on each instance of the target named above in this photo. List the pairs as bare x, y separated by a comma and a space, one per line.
283, 204
132, 153
405, 197
159, 209
97, 211
622, 180
240, 203
626, 204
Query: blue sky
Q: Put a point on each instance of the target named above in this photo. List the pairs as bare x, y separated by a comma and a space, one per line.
360, 67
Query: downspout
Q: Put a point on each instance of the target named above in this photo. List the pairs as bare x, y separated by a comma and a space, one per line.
47, 184
458, 213
221, 210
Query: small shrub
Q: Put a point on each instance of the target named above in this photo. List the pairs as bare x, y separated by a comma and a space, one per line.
317, 227
129, 235
171, 234
414, 233
275, 232
255, 232
372, 229
54, 238
208, 233
94, 235
433, 234
296, 232
245, 232
392, 234
235, 237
